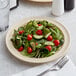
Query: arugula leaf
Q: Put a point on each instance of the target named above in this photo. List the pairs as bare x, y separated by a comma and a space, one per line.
38, 46
35, 24
46, 31
20, 28
49, 24
44, 23
28, 26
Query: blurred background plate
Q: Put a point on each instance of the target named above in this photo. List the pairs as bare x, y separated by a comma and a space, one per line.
41, 0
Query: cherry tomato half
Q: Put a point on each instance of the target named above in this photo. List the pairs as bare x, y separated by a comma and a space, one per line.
29, 50
20, 49
36, 43
39, 24
49, 38
29, 37
56, 42
48, 47
21, 32
39, 32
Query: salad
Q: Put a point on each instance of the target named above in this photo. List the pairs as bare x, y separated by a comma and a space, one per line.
38, 39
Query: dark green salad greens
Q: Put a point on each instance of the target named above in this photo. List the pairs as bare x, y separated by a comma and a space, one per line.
38, 39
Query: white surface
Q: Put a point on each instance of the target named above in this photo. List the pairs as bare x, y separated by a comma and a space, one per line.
10, 65
68, 70
35, 70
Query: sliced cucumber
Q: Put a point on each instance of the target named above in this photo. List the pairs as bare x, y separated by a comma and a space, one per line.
40, 27
48, 43
47, 35
38, 36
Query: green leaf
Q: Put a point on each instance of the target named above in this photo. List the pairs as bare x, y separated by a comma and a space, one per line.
46, 31
54, 49
53, 31
18, 43
44, 23
38, 46
37, 53
61, 42
20, 28
51, 53
44, 52
49, 24
28, 26
15, 32
35, 24
23, 52
26, 44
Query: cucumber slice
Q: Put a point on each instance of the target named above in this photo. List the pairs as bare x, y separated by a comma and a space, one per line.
48, 43
47, 35
38, 36
40, 27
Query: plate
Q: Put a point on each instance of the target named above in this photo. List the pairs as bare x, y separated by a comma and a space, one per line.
62, 52
41, 0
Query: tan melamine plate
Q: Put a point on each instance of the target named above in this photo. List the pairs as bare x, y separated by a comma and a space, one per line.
41, 0
57, 55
